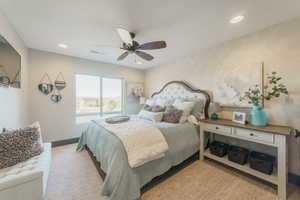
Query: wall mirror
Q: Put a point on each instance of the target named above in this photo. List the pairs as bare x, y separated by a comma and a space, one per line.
10, 65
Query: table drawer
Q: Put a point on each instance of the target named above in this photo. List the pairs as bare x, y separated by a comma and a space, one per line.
254, 135
218, 128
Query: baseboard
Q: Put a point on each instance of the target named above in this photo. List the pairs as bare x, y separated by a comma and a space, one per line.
294, 179
65, 142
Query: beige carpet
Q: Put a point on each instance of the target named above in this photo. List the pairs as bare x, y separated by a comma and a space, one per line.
74, 177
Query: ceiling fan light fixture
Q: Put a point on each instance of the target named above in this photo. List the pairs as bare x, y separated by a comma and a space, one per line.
139, 62
237, 19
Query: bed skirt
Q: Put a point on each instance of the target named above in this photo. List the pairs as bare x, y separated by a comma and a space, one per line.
155, 181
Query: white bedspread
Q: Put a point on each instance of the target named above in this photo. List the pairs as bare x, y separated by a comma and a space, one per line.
143, 142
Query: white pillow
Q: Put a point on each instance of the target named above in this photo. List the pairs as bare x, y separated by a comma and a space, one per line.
38, 127
192, 119
186, 107
150, 102
152, 116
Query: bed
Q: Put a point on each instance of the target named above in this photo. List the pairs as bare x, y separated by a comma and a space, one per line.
122, 182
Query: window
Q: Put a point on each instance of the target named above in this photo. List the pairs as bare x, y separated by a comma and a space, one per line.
111, 95
87, 94
97, 96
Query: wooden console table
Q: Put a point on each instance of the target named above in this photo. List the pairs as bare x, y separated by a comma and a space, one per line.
275, 136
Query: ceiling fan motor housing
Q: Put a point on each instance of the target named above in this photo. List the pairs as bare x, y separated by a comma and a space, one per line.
132, 35
135, 44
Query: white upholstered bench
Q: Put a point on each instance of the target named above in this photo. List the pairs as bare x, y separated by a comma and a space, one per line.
26, 180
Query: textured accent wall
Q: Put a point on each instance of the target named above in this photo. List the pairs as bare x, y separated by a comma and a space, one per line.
278, 46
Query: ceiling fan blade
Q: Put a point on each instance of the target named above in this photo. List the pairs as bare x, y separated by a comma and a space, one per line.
153, 45
144, 55
125, 36
124, 55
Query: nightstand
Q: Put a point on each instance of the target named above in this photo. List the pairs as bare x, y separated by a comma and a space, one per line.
274, 136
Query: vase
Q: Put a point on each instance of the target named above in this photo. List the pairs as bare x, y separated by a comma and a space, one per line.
258, 116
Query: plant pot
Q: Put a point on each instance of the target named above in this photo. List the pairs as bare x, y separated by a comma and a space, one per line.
258, 116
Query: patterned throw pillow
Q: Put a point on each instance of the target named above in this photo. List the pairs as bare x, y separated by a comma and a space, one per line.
19, 145
186, 107
38, 126
172, 114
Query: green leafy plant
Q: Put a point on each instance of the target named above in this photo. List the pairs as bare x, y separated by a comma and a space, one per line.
273, 89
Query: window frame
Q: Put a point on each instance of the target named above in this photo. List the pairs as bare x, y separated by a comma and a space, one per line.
100, 112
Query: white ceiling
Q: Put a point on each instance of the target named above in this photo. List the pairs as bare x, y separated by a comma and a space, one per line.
186, 25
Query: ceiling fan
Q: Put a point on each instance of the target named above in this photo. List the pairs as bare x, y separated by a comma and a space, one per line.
133, 47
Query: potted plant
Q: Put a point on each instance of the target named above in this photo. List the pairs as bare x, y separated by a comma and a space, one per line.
273, 89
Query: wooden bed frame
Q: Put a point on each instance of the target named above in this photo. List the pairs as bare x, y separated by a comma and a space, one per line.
176, 168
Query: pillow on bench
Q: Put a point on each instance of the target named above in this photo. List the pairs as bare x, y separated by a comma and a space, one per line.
19, 145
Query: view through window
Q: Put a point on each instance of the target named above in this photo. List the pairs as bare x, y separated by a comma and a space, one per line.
111, 95
98, 96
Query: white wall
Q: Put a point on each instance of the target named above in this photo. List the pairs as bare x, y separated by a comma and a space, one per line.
13, 102
277, 46
58, 119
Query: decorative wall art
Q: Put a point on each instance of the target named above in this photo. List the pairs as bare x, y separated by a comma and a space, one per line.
60, 82
45, 86
10, 65
135, 90
230, 85
56, 96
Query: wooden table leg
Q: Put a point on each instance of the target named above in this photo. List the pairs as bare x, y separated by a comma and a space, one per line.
202, 141
282, 166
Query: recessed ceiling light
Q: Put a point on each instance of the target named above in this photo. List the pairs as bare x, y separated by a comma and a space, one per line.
64, 46
139, 62
237, 19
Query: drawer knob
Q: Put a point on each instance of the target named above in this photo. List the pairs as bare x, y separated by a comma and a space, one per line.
251, 134
217, 128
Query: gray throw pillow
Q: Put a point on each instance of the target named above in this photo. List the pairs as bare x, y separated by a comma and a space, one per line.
172, 114
155, 108
19, 145
147, 107
158, 108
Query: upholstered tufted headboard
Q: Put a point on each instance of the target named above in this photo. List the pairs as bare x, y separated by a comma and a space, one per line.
182, 90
